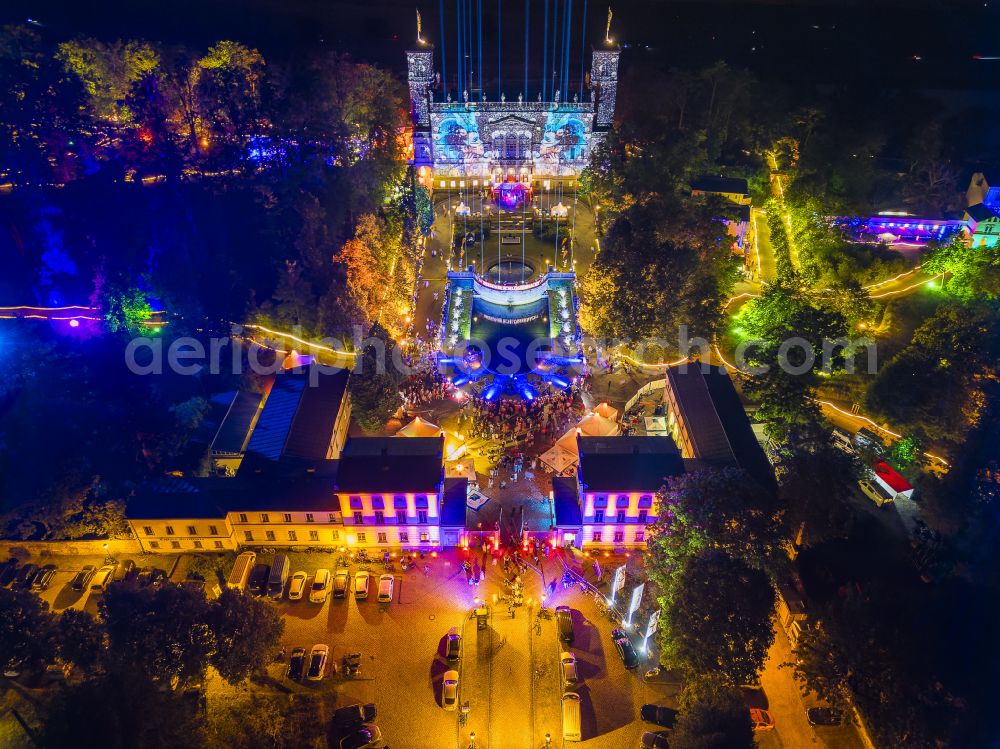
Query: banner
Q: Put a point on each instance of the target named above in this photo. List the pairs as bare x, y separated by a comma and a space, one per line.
654, 622
597, 569
633, 605
618, 582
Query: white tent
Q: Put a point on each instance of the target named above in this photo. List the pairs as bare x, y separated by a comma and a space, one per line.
419, 428
595, 425
559, 459
608, 412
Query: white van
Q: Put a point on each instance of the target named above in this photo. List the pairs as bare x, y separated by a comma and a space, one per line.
571, 716
279, 576
385, 589
241, 571
100, 581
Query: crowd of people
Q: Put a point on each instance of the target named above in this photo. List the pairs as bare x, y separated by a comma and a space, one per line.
547, 415
426, 386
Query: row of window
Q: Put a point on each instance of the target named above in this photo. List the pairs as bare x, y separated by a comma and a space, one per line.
400, 517
619, 537
287, 517
196, 544
292, 536
624, 500
643, 518
380, 537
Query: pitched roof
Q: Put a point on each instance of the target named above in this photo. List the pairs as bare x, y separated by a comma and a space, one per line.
388, 464
888, 474
566, 499
454, 497
698, 411
980, 212
627, 463
721, 184
298, 418
743, 442
213, 497
234, 432
312, 429
275, 422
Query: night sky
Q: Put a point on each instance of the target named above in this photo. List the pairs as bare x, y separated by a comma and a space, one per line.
874, 43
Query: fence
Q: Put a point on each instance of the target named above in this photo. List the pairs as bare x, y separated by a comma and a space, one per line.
646, 389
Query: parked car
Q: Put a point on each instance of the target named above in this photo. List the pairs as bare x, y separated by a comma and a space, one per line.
626, 651
564, 624
453, 645
296, 662
317, 662
102, 578
341, 582
658, 714
657, 740
361, 581
124, 570
824, 716
43, 577
364, 737
385, 583
320, 590
874, 492
8, 571
567, 668
257, 584
82, 578
352, 715
297, 586
761, 719
449, 691
25, 576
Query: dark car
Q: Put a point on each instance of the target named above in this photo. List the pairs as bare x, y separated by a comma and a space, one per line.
296, 663
824, 716
363, 737
564, 624
626, 651
353, 715
81, 578
25, 576
453, 645
658, 714
257, 584
657, 740
43, 577
8, 571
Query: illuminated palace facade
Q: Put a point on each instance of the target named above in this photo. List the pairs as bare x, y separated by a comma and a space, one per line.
483, 143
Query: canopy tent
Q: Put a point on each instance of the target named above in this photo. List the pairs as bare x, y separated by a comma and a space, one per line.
568, 441
294, 360
559, 459
608, 412
595, 425
419, 428
457, 469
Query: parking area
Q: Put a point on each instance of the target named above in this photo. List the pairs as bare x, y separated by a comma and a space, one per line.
508, 673
509, 669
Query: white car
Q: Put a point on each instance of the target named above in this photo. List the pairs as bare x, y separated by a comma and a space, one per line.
320, 590
361, 581
449, 691
385, 583
567, 669
297, 586
316, 668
